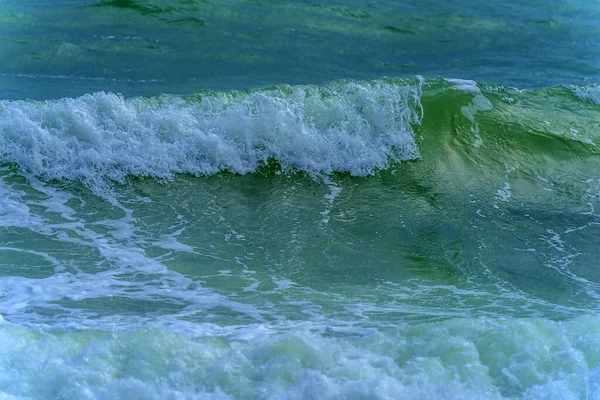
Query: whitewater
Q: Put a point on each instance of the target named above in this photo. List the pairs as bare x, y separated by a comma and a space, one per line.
291, 200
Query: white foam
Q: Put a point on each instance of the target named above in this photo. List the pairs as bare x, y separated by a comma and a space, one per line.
13, 212
334, 191
591, 93
453, 359
504, 193
120, 249
356, 127
464, 85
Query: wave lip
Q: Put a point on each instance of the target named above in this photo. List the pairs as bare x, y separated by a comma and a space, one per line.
354, 127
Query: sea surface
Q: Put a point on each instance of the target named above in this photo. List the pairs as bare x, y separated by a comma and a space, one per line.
251, 199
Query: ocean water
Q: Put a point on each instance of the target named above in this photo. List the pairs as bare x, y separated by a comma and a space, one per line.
247, 199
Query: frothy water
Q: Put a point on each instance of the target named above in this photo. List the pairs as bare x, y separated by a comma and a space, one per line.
354, 127
232, 201
591, 93
459, 358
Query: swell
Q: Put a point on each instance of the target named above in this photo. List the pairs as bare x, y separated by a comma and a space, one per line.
346, 126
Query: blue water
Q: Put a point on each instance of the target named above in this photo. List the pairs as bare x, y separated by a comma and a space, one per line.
136, 47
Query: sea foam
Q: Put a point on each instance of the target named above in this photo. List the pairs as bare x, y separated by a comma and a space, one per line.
591, 93
355, 127
453, 359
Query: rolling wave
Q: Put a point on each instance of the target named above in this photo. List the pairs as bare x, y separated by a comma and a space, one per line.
347, 126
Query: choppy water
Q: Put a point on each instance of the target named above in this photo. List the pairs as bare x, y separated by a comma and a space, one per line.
292, 200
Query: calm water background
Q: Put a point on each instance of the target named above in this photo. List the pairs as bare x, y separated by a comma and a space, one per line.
65, 48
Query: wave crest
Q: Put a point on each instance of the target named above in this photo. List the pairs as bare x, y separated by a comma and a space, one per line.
355, 127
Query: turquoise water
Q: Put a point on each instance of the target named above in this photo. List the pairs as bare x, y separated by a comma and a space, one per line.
294, 200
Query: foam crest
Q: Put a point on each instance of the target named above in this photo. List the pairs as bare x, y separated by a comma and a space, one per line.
355, 127
590, 93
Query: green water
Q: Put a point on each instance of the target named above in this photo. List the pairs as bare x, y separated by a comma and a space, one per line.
299, 200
